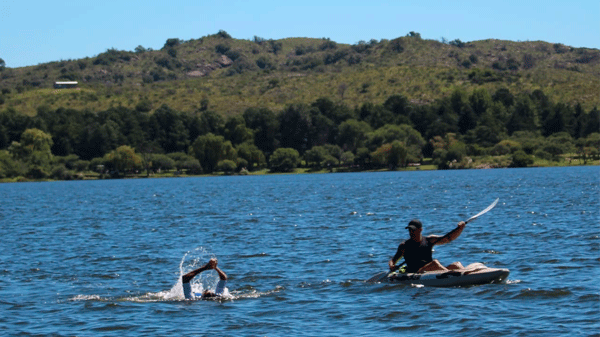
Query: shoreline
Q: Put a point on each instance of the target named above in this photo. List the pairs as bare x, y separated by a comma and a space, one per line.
296, 171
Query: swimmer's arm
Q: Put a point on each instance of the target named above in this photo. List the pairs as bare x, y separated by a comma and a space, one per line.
189, 276
222, 275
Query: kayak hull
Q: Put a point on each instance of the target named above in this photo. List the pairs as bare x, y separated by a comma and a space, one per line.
452, 278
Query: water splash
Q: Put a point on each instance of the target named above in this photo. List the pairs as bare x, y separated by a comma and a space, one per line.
191, 260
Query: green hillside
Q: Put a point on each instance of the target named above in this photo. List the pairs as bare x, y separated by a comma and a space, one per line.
229, 75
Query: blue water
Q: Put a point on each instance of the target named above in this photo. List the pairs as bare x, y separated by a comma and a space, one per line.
92, 258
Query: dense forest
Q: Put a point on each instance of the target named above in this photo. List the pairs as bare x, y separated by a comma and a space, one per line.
218, 104
498, 128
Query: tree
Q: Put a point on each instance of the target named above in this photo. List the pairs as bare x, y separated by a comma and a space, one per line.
316, 155
184, 161
170, 43
504, 96
9, 167
161, 162
376, 115
523, 116
353, 134
265, 125
284, 160
399, 106
13, 124
34, 150
398, 154
123, 159
226, 166
347, 158
2, 64
295, 124
521, 159
140, 49
235, 130
480, 101
252, 154
168, 129
209, 149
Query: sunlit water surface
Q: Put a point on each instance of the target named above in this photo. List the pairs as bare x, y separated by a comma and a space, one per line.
104, 258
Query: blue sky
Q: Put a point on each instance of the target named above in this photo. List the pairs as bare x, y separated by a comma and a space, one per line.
34, 32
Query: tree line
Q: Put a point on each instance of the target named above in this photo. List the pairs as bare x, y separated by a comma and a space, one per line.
59, 143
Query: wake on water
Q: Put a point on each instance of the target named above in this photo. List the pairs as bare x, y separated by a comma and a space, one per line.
191, 260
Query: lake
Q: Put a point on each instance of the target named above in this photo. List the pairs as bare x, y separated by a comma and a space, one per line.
91, 258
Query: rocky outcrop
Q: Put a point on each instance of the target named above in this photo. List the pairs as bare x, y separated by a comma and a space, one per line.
224, 61
204, 69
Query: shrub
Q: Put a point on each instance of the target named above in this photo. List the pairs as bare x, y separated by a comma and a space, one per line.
284, 160
506, 147
223, 34
521, 159
222, 48
61, 173
543, 155
36, 172
226, 166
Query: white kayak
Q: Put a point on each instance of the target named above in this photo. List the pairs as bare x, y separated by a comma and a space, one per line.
452, 278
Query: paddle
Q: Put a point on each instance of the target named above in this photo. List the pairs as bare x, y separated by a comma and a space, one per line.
384, 274
484, 211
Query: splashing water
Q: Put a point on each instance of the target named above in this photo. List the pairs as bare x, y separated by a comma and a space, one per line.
207, 280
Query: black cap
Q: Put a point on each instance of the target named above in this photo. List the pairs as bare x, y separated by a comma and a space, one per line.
414, 224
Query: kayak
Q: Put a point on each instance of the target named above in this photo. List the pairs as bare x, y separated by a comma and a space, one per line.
452, 278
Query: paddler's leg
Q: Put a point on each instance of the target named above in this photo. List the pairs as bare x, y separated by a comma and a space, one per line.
434, 265
474, 267
455, 266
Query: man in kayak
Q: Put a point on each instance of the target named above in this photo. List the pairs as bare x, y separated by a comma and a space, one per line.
219, 291
417, 250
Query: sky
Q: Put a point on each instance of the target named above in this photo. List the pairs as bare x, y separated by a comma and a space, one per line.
34, 32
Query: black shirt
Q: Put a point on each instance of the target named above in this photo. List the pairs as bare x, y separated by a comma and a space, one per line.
416, 254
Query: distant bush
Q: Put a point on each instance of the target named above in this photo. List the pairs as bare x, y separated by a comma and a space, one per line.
397, 45
171, 43
284, 160
61, 173
264, 62
259, 40
226, 166
240, 66
521, 159
328, 44
301, 50
223, 34
542, 155
457, 43
334, 57
111, 56
233, 54
222, 48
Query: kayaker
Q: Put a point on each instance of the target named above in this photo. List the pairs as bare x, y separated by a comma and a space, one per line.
219, 291
417, 250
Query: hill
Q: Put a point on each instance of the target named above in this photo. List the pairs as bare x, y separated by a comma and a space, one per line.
228, 75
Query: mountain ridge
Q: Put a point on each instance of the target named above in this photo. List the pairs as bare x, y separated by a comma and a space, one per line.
229, 75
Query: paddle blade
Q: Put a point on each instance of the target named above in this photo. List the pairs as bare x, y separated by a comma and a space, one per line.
484, 211
378, 277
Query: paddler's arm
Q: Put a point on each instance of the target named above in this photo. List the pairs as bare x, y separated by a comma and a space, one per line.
397, 256
451, 236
